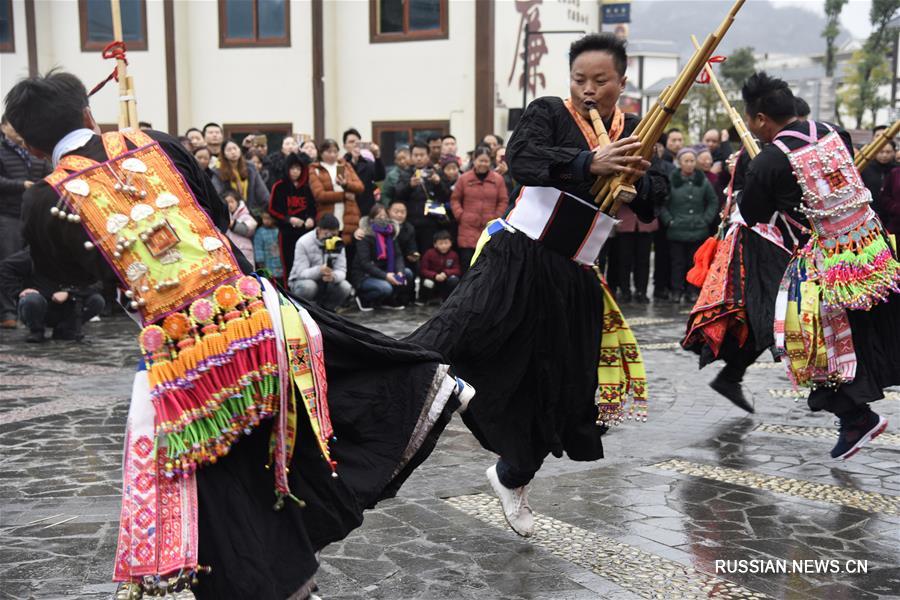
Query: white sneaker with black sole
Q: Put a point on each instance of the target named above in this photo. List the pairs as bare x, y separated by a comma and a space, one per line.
514, 503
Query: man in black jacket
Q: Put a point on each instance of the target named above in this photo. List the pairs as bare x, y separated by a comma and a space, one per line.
368, 172
424, 197
45, 303
19, 170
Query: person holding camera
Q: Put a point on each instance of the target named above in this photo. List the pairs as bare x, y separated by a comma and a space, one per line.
379, 274
425, 197
319, 273
365, 157
334, 186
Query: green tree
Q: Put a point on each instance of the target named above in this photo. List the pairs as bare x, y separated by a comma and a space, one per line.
738, 67
869, 67
833, 10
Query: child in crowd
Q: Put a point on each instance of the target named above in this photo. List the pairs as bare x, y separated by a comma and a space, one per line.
266, 247
242, 225
440, 270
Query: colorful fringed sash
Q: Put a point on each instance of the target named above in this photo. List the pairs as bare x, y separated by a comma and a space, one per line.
620, 372
846, 265
217, 360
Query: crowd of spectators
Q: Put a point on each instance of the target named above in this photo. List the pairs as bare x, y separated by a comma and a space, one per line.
337, 225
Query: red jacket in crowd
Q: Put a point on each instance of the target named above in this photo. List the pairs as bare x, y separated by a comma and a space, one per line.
475, 202
433, 262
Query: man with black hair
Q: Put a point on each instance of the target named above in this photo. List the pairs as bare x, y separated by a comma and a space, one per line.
226, 504
801, 107
674, 143
368, 171
524, 324
214, 138
839, 298
449, 147
424, 196
52, 115
435, 143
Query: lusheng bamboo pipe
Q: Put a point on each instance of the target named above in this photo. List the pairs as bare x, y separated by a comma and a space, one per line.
616, 191
868, 152
127, 105
599, 128
736, 120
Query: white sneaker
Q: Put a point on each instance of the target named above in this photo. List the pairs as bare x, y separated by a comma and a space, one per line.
363, 307
515, 504
464, 393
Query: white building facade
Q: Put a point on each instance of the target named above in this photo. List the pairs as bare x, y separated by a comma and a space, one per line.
394, 69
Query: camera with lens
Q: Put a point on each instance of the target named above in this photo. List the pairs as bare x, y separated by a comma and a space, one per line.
334, 244
333, 247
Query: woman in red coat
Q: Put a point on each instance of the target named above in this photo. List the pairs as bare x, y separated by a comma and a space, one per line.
479, 197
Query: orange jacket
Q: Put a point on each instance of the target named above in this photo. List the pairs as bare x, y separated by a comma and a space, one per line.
323, 191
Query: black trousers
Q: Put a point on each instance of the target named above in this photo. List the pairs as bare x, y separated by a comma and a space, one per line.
682, 258
609, 263
633, 254
739, 358
511, 477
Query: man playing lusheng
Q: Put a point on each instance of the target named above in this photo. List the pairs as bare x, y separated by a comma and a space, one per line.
525, 323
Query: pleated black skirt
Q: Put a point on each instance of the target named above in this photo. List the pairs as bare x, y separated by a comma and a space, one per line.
876, 341
386, 400
524, 327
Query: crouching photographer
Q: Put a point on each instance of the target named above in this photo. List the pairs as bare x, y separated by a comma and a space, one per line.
42, 303
319, 273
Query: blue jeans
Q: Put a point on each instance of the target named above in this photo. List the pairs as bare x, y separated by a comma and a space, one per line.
375, 291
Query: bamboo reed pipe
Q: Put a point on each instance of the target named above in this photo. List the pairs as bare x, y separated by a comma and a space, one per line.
599, 128
669, 100
736, 120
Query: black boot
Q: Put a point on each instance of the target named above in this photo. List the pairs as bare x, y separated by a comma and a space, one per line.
732, 390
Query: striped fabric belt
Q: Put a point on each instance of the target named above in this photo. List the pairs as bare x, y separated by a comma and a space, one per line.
564, 223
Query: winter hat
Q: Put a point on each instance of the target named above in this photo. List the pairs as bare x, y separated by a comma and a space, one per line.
686, 150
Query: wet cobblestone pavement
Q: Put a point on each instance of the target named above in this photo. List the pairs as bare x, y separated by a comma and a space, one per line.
700, 482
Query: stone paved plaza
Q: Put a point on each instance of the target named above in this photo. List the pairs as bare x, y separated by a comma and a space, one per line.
700, 482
